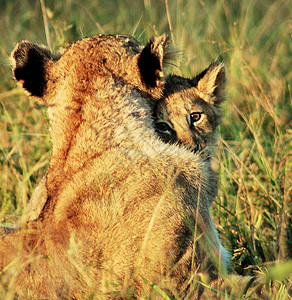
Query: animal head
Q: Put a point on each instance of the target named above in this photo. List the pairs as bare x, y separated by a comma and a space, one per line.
88, 63
99, 92
190, 110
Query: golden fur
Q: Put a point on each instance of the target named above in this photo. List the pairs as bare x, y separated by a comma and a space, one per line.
123, 211
182, 99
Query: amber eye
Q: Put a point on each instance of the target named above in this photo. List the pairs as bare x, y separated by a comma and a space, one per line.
162, 126
195, 117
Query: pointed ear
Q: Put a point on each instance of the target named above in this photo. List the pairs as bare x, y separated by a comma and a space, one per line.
151, 59
211, 82
29, 67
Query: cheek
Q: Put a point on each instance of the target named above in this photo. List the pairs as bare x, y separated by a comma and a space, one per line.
211, 120
206, 127
204, 132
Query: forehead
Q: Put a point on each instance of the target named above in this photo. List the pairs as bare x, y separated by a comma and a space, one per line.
176, 84
180, 92
181, 96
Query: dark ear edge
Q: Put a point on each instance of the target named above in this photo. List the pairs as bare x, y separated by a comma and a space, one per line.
29, 62
212, 82
151, 59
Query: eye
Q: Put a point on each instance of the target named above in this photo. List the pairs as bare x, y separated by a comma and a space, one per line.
162, 126
195, 117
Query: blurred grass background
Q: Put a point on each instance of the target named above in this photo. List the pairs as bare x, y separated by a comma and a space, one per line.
252, 38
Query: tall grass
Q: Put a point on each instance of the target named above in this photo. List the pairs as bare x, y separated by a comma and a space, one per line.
253, 208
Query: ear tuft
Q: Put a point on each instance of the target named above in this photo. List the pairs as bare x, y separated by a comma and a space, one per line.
151, 59
211, 82
29, 62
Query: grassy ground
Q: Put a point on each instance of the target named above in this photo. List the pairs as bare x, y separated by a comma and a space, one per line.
253, 38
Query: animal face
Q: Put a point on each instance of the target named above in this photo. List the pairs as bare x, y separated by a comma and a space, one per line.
190, 109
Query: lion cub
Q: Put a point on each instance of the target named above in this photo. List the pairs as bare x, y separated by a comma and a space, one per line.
189, 115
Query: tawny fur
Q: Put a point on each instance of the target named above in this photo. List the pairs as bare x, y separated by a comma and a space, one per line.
182, 97
122, 207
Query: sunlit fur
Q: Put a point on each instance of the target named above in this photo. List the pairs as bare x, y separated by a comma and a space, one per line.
124, 211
